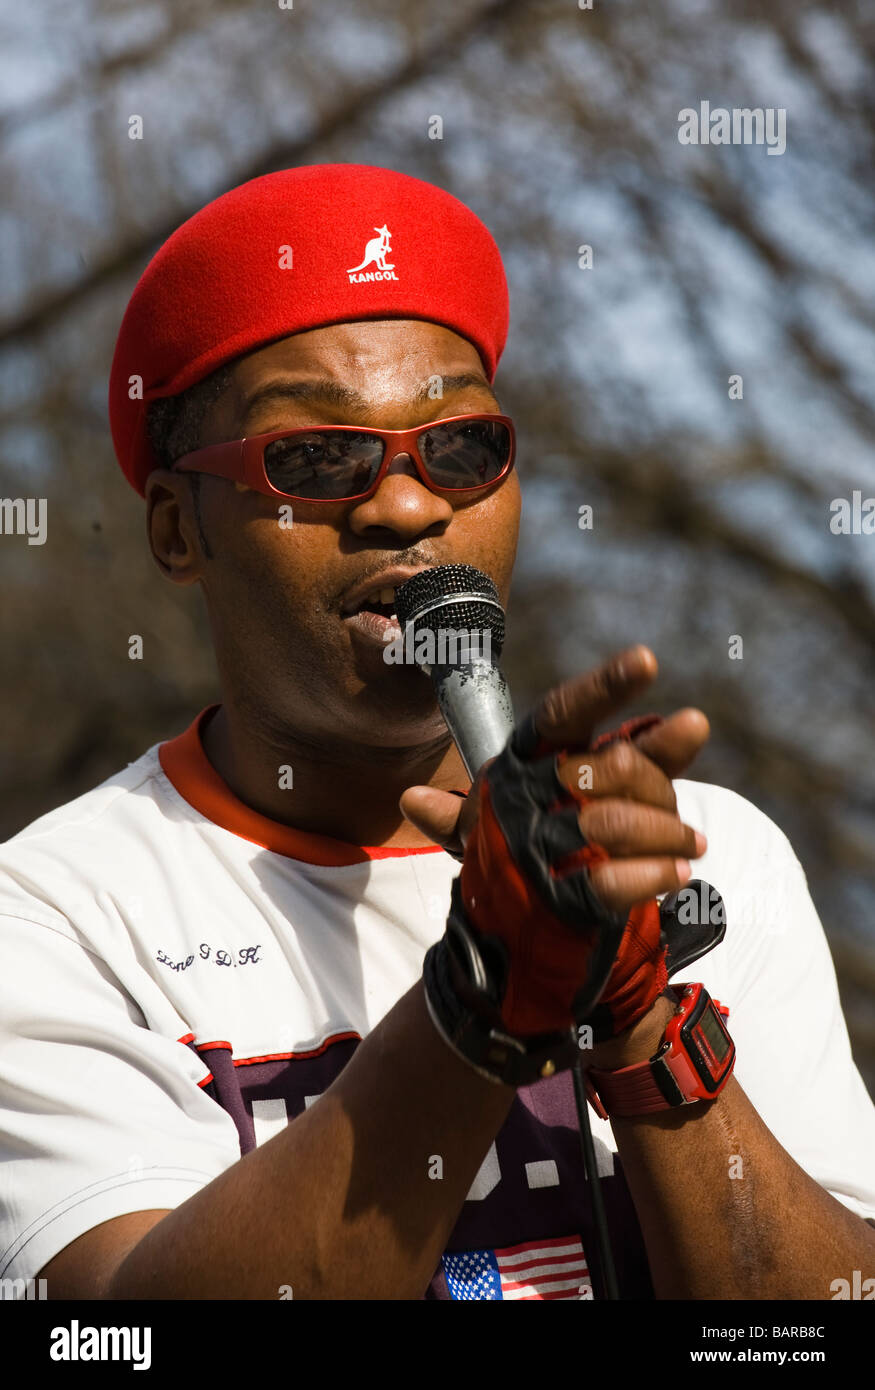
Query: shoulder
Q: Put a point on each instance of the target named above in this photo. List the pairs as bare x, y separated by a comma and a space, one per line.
737, 823
748, 855
95, 806
771, 921
45, 867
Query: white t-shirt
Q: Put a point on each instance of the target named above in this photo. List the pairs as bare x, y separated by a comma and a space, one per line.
183, 975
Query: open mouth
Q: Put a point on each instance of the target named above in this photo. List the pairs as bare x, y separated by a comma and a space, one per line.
374, 616
379, 601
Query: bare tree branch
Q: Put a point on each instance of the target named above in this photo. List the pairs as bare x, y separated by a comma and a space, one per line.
349, 113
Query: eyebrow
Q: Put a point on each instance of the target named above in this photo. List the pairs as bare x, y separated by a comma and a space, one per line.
334, 393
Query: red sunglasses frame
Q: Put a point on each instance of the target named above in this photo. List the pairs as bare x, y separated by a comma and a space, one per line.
242, 460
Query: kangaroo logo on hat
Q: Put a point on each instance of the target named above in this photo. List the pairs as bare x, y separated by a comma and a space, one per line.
375, 254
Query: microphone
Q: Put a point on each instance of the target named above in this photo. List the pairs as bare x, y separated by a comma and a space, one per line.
475, 702
453, 628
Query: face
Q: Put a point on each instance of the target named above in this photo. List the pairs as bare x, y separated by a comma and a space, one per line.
288, 652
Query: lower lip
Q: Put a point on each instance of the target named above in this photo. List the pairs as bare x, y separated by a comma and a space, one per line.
374, 627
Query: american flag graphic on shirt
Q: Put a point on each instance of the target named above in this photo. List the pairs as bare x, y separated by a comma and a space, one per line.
541, 1269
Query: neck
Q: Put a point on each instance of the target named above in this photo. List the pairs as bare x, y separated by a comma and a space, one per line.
346, 790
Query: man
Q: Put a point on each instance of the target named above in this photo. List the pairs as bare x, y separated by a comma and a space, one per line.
222, 1074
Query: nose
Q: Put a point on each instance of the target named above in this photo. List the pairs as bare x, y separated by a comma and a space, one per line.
402, 463
402, 505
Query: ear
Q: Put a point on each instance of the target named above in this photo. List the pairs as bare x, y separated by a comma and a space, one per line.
172, 527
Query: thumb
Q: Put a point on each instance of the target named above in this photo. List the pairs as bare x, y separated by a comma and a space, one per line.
436, 814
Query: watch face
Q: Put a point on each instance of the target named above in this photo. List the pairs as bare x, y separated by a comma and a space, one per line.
714, 1037
709, 1046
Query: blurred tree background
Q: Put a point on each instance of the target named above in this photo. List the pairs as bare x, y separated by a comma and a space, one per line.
560, 129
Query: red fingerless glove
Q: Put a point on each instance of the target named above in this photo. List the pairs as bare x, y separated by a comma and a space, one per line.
639, 975
552, 970
563, 958
545, 961
530, 952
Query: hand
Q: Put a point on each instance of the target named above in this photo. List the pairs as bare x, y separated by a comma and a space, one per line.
633, 809
548, 880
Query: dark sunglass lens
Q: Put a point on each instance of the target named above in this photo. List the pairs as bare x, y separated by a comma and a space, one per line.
465, 453
323, 466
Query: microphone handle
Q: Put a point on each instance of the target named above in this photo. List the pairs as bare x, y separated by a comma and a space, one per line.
475, 701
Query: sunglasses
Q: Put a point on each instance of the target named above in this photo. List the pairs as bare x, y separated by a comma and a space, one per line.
342, 463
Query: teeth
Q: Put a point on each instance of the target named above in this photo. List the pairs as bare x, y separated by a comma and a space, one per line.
380, 596
386, 596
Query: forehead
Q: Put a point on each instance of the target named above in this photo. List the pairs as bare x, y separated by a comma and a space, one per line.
366, 350
378, 370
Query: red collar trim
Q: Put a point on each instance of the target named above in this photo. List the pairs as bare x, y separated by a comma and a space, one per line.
188, 768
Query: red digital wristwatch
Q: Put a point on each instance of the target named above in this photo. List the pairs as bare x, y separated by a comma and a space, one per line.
694, 1062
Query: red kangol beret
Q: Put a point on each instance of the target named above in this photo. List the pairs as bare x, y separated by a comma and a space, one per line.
291, 251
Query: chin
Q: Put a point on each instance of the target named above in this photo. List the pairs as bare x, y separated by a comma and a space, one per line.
399, 713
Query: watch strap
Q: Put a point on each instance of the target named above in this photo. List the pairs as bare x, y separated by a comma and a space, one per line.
633, 1090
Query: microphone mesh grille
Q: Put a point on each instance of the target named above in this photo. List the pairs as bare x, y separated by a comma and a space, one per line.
439, 586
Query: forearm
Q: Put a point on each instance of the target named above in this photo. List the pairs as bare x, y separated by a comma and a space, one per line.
356, 1198
724, 1210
